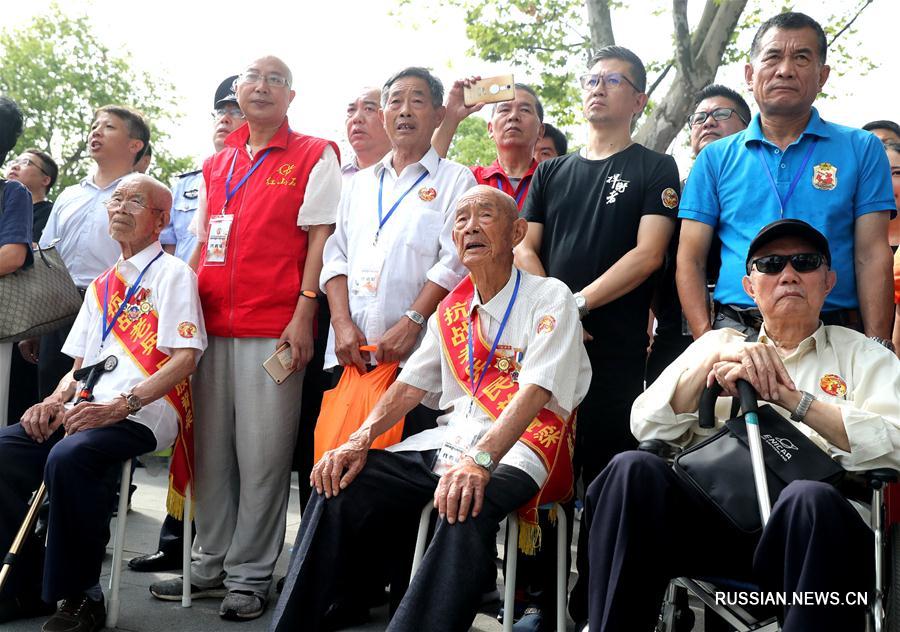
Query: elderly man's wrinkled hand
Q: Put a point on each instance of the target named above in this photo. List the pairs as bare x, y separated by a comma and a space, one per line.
461, 491
337, 468
760, 365
87, 415
41, 420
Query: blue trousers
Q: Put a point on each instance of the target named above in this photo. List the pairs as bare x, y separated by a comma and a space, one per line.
80, 476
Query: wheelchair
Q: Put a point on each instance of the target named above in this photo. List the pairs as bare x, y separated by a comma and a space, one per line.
883, 611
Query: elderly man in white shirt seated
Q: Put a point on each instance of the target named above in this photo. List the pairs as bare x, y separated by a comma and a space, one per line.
141, 320
512, 388
646, 526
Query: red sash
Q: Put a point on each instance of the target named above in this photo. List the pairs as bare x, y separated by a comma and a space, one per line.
550, 436
136, 328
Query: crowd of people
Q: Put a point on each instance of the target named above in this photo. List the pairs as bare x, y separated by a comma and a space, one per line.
545, 313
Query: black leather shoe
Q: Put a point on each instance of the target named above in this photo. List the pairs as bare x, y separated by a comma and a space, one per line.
24, 607
154, 563
77, 614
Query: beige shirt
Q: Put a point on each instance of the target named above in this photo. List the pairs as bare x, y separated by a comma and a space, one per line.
836, 365
543, 327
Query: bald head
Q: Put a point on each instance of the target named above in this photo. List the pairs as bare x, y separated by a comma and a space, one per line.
156, 195
484, 194
486, 228
274, 63
138, 212
264, 91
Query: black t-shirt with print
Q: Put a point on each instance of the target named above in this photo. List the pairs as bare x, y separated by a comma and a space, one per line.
591, 210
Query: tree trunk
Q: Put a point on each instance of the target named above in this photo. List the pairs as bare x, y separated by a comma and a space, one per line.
697, 63
600, 23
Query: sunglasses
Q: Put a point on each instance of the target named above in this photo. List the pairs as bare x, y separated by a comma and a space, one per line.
801, 262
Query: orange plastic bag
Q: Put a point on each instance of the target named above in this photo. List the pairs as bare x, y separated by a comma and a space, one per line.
346, 406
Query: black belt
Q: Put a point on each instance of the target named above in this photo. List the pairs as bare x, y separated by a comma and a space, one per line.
752, 318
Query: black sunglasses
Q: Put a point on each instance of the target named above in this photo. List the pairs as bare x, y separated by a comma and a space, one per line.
801, 262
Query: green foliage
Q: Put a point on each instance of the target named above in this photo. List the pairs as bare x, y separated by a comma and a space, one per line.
471, 144
59, 72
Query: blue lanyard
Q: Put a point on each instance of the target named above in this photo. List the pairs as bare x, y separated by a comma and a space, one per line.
476, 385
229, 192
782, 201
519, 194
383, 220
105, 328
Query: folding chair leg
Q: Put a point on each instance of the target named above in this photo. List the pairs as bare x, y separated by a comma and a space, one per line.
187, 532
562, 569
421, 539
115, 575
512, 558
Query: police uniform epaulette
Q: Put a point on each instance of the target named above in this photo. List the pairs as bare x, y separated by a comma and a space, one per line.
188, 173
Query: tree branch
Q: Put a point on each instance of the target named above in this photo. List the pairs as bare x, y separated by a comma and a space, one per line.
850, 23
659, 78
600, 23
709, 12
683, 58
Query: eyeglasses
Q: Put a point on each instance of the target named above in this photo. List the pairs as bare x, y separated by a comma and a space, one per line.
719, 114
802, 262
610, 79
230, 111
129, 206
24, 162
272, 80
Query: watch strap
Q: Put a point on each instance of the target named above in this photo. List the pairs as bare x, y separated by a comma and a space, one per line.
415, 316
803, 407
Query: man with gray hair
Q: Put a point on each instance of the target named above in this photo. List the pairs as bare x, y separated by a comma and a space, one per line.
144, 313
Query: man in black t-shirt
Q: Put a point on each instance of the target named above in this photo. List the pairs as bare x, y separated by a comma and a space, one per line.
600, 220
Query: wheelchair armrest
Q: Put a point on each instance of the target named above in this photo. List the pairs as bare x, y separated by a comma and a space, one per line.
881, 476
660, 448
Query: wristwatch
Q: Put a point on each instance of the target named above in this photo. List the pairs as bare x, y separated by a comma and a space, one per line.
884, 342
415, 316
482, 458
803, 407
133, 402
581, 304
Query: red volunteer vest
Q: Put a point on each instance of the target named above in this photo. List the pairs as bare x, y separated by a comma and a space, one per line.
254, 294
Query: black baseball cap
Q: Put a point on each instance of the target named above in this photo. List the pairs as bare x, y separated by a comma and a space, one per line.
788, 228
225, 92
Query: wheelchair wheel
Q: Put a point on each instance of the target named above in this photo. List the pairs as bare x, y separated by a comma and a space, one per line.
892, 593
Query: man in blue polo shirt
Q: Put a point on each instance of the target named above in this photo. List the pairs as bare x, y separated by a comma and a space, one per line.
789, 163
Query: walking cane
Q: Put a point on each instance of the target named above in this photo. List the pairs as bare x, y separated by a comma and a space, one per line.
88, 377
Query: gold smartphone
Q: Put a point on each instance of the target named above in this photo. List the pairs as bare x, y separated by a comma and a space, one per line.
278, 365
490, 90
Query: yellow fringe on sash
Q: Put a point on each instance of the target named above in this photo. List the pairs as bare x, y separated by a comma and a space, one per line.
530, 537
175, 502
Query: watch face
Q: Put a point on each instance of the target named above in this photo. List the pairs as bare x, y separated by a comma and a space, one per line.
483, 459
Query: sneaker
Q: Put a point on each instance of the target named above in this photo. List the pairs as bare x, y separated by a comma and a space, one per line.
171, 589
78, 614
532, 621
242, 605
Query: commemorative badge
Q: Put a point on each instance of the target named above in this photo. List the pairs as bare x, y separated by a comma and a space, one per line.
187, 329
503, 364
546, 324
825, 176
133, 312
146, 307
427, 194
833, 384
669, 198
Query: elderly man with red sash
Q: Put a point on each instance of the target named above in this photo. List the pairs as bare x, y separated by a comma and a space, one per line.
140, 321
504, 354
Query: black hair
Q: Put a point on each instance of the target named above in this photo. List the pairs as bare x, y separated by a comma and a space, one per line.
11, 125
790, 21
560, 142
718, 90
134, 121
435, 87
50, 168
883, 124
620, 52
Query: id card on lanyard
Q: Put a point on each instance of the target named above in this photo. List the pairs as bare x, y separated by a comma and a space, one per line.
220, 225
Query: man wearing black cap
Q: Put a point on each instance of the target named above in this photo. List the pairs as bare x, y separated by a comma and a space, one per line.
840, 387
178, 240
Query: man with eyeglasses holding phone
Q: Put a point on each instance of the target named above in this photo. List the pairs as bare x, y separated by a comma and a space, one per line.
270, 203
789, 163
600, 221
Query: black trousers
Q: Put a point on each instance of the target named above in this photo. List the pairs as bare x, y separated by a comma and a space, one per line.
79, 475
23, 386
370, 529
646, 527
53, 364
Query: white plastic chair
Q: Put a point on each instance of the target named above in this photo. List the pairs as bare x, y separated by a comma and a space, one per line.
512, 539
115, 575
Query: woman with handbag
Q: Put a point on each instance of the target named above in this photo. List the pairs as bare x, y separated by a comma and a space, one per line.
15, 228
647, 524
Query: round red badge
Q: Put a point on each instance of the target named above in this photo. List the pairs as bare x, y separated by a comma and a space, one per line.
833, 384
546, 324
186, 329
426, 194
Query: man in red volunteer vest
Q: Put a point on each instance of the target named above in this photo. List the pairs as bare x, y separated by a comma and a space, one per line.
266, 211
504, 353
515, 127
144, 312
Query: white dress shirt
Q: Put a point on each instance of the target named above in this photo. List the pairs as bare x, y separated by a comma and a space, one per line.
80, 221
836, 365
553, 358
173, 296
417, 239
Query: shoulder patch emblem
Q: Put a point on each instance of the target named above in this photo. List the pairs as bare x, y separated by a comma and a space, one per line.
427, 194
192, 194
824, 176
833, 384
669, 198
187, 329
546, 324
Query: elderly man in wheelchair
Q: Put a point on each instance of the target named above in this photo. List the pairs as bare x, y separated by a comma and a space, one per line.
812, 560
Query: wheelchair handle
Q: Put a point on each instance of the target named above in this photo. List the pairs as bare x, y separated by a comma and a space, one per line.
708, 397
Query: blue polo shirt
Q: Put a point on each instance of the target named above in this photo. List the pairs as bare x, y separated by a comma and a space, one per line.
185, 200
842, 173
